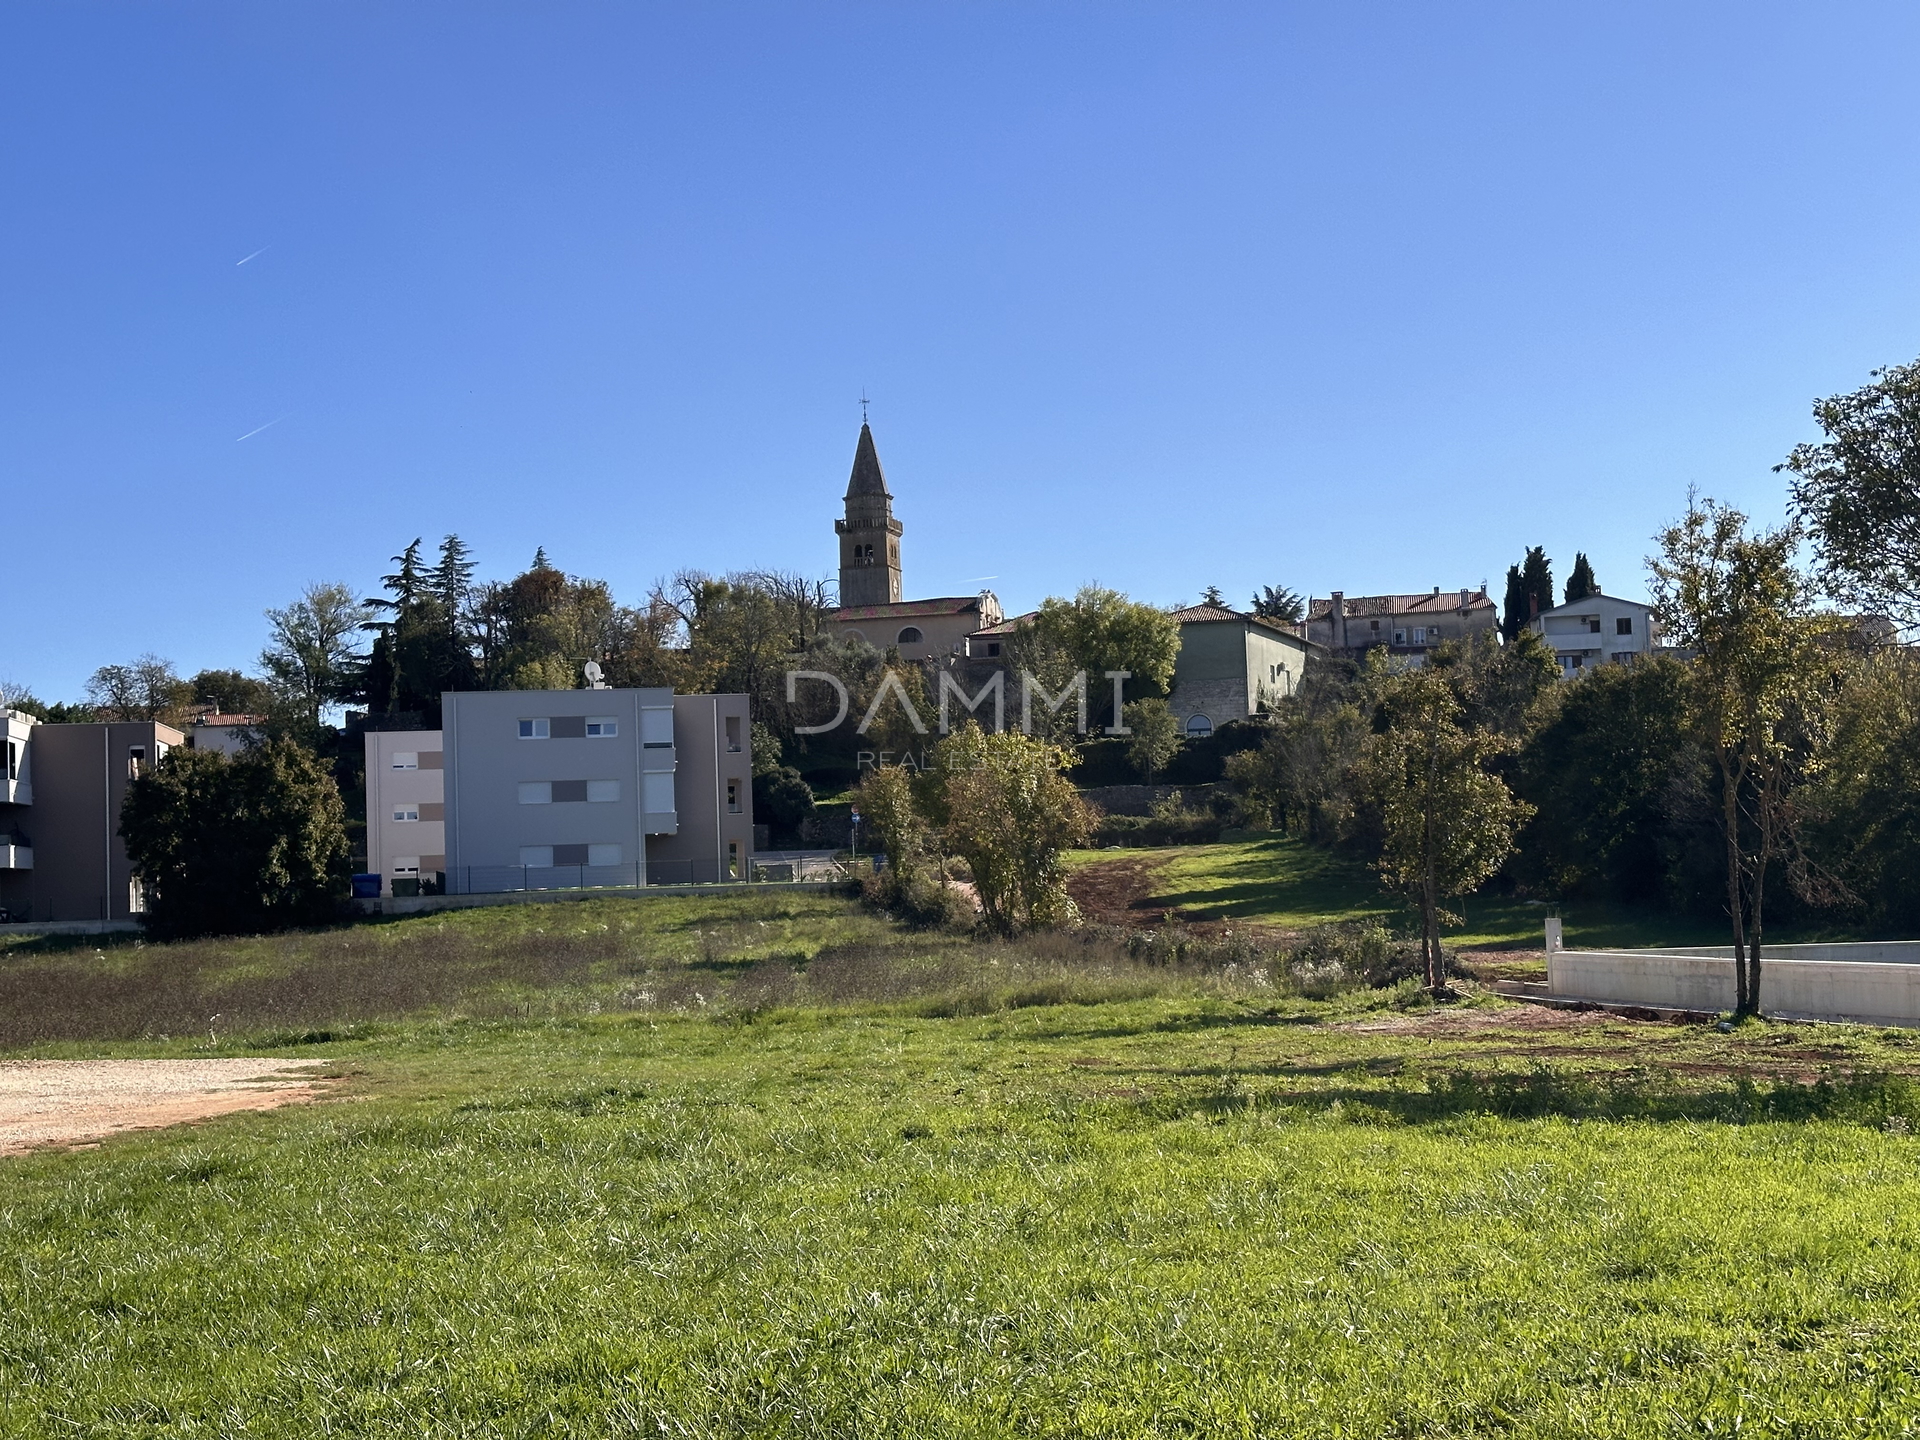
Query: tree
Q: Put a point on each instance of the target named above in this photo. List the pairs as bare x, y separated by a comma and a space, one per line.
232, 693
1447, 824
1303, 773
1276, 602
237, 846
1529, 591
1212, 596
1739, 603
1858, 493
884, 799
148, 689
1156, 736
1010, 812
311, 661
1581, 583
1097, 631
782, 799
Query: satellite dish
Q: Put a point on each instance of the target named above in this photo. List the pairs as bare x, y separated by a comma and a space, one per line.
593, 675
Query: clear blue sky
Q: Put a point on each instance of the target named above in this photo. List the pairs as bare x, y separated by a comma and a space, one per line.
1357, 296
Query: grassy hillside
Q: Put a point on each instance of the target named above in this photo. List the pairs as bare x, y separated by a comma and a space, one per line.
769, 1166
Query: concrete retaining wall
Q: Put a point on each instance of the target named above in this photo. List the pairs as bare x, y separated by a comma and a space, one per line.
428, 904
1882, 986
72, 927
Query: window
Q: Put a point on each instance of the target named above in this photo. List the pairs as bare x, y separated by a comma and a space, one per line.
910, 636
136, 761
136, 896
406, 865
733, 734
536, 857
603, 854
1374, 625
1593, 624
535, 730
406, 760
1623, 626
733, 797
733, 859
658, 793
1199, 726
13, 760
406, 813
656, 729
536, 792
993, 648
603, 792
602, 727
1399, 637
1419, 636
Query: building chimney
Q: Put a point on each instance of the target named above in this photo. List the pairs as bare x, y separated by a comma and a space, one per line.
1337, 621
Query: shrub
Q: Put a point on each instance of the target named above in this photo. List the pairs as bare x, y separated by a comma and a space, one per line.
1352, 952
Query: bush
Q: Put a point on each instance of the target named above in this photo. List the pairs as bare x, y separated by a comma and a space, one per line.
1170, 823
1352, 952
917, 898
781, 799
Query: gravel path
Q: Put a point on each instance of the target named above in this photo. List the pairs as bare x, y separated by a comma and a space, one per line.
67, 1102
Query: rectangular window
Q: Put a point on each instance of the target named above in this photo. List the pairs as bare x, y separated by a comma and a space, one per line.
733, 859
406, 865
569, 792
534, 729
1373, 624
656, 729
1419, 636
569, 727
406, 760
733, 797
570, 854
1399, 637
136, 896
406, 813
536, 857
136, 761
733, 734
603, 855
1593, 624
603, 792
13, 760
602, 727
1623, 626
536, 792
659, 793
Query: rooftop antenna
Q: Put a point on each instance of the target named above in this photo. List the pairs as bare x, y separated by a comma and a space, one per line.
593, 672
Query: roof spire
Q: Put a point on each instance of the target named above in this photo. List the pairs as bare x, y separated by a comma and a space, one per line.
867, 478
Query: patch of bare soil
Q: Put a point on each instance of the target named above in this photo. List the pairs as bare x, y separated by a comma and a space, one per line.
1122, 892
71, 1102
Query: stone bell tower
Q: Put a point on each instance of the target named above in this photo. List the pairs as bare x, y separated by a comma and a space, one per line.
869, 536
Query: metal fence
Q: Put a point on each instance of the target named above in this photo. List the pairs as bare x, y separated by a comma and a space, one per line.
503, 879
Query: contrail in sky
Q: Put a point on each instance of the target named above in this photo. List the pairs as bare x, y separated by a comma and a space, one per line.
261, 251
982, 577
268, 426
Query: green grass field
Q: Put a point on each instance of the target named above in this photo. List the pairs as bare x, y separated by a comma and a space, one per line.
771, 1167
1282, 881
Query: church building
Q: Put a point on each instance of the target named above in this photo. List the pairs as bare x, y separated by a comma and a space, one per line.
871, 607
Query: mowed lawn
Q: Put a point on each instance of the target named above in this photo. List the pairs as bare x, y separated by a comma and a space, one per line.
1191, 1205
1282, 882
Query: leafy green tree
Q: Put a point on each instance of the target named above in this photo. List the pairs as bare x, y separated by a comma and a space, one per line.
1156, 736
893, 824
232, 693
237, 846
1447, 824
1098, 631
782, 798
1737, 600
1858, 493
1499, 687
311, 660
1581, 583
1599, 773
1276, 602
1011, 813
1864, 806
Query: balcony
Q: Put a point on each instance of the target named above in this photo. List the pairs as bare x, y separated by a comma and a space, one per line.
15, 857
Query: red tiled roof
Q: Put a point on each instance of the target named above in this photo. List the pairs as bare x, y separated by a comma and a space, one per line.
1005, 627
215, 718
949, 605
1446, 602
1212, 614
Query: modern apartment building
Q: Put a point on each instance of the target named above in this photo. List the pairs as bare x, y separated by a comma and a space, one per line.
1599, 630
546, 789
61, 857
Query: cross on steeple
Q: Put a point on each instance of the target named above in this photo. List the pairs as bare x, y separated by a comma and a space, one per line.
863, 404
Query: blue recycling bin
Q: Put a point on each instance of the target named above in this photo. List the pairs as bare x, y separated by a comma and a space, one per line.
366, 887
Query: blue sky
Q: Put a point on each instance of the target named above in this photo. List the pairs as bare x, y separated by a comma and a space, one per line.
1357, 296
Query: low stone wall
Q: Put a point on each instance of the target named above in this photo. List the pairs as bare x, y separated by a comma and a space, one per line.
72, 927
1882, 985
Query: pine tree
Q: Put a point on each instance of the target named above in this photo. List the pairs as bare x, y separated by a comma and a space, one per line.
1536, 575
452, 580
1513, 609
1581, 583
1212, 596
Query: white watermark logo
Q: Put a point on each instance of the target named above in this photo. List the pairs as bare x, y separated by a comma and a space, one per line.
950, 690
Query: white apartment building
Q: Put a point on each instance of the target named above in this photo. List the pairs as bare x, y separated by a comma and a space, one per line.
406, 809
1599, 630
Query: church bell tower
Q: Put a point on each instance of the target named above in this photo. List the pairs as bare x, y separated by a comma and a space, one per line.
869, 536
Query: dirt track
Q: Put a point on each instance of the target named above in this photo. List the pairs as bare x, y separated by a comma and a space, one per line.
69, 1102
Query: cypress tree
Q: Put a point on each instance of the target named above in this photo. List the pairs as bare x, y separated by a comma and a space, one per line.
1581, 583
1513, 609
